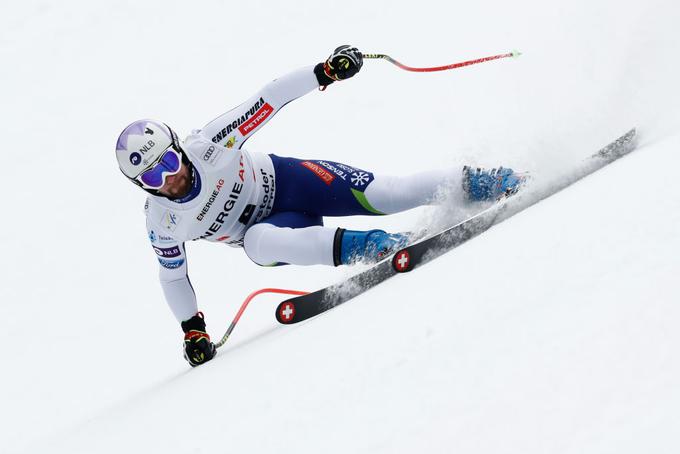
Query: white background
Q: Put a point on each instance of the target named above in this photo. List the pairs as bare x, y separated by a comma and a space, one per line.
556, 331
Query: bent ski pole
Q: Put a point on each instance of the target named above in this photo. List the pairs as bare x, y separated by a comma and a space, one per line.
513, 54
245, 304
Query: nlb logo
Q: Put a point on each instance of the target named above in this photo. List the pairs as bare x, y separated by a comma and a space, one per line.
146, 147
135, 158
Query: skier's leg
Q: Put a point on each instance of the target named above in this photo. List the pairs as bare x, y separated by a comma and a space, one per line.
328, 188
271, 245
300, 239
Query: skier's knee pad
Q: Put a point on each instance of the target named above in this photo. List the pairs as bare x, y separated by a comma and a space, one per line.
252, 244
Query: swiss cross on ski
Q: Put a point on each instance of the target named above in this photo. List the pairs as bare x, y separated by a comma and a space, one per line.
402, 261
286, 312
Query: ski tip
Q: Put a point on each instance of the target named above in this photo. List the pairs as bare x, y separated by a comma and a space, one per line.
620, 147
515, 53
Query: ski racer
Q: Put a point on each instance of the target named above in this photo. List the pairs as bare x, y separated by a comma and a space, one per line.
209, 187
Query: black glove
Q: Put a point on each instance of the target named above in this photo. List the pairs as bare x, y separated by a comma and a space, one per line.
197, 346
343, 63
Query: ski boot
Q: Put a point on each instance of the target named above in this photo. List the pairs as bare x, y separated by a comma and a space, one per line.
351, 246
484, 185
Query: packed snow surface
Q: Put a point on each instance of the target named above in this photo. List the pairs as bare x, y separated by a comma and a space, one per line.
554, 332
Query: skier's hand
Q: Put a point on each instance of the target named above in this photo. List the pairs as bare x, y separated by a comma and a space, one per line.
198, 348
342, 64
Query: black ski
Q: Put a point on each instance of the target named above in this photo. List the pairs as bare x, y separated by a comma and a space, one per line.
303, 307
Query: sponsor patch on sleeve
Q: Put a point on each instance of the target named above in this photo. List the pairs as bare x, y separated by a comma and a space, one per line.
246, 123
157, 238
171, 220
171, 264
167, 252
260, 116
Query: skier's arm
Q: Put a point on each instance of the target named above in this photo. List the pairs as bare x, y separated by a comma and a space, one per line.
234, 127
172, 274
237, 125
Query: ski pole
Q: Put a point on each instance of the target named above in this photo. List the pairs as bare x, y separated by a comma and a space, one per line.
513, 54
245, 304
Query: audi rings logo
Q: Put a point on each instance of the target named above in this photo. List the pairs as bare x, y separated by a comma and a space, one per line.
135, 158
209, 152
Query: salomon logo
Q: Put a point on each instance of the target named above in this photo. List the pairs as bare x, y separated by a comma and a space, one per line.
148, 131
135, 159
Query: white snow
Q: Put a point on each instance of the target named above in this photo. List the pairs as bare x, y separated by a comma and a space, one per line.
554, 332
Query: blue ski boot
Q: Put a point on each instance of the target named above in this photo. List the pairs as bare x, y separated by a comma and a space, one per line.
480, 184
351, 246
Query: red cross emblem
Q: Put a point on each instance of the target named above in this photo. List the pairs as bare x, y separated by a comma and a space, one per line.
402, 261
287, 312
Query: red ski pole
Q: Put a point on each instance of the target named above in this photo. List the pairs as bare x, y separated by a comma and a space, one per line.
245, 304
513, 54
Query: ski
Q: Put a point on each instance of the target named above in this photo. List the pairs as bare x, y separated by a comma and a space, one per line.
301, 308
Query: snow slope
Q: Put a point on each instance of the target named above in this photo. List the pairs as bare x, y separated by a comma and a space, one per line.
555, 331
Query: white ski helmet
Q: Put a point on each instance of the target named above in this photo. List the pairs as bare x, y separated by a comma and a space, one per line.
141, 145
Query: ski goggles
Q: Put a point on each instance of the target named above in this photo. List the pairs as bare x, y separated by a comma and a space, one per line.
168, 164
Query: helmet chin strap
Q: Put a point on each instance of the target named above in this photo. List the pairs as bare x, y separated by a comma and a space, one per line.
153, 192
